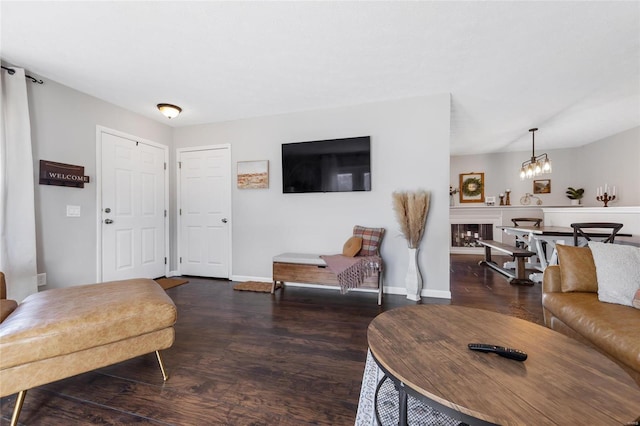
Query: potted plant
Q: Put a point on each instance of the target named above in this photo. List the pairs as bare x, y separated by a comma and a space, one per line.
575, 195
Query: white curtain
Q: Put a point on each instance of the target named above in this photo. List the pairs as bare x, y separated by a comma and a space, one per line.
17, 210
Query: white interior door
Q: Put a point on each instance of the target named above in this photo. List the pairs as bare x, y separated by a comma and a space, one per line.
204, 211
133, 209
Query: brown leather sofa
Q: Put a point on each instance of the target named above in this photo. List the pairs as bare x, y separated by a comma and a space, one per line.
62, 332
6, 306
573, 309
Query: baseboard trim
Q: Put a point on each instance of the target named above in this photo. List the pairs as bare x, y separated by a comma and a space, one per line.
243, 278
331, 287
436, 294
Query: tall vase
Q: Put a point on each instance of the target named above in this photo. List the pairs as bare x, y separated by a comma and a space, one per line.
413, 280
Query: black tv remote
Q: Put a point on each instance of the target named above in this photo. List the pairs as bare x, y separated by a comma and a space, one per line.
510, 353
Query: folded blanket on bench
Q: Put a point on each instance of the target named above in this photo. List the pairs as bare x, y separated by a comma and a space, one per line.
352, 271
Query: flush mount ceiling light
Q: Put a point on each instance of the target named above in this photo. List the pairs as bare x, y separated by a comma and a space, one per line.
169, 110
537, 165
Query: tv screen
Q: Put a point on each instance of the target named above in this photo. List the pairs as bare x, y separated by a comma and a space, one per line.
335, 165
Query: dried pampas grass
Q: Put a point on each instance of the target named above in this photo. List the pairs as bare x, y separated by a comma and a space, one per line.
411, 211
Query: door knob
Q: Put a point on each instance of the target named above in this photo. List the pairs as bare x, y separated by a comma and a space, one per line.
108, 221
224, 220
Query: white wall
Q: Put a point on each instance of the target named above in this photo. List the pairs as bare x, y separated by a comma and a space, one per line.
410, 150
410, 144
614, 160
63, 129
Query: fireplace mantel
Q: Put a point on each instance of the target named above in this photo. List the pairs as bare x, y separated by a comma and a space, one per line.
493, 215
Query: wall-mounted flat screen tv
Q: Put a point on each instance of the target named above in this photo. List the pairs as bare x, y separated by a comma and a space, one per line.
334, 165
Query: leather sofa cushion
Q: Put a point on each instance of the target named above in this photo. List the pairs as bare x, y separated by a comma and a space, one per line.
577, 269
611, 328
6, 307
66, 320
3, 286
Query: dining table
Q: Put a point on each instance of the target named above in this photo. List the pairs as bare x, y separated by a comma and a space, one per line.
543, 239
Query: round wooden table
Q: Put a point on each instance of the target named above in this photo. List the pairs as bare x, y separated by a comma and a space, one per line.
423, 349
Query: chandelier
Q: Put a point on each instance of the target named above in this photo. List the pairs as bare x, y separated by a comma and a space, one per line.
537, 165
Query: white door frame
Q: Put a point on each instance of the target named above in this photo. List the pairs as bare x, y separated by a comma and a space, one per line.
99, 131
179, 151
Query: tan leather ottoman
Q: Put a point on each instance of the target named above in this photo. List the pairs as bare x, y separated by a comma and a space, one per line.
62, 332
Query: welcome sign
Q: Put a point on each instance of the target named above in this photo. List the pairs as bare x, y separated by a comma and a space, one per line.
60, 174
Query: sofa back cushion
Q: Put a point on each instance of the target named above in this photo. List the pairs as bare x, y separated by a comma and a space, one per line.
6, 306
3, 286
577, 269
636, 300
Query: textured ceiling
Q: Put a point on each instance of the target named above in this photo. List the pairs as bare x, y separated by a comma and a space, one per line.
570, 68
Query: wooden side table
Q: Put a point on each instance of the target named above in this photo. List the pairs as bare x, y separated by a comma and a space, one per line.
423, 349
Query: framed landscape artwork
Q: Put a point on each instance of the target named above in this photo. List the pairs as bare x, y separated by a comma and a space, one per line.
472, 187
542, 186
253, 174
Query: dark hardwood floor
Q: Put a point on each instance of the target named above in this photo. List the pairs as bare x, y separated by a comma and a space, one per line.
243, 358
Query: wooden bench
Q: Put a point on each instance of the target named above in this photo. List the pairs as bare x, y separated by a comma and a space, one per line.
312, 269
519, 254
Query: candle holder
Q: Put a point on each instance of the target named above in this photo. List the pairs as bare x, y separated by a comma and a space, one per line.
605, 198
507, 201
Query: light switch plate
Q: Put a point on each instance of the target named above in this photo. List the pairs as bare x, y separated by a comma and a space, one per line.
73, 211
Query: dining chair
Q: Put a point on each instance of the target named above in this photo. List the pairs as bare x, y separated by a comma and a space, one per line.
579, 230
536, 221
